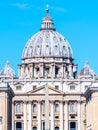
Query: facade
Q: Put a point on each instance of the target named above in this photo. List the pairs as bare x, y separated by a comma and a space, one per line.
49, 94
6, 95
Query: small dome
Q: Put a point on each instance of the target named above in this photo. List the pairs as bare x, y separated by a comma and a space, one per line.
47, 42
86, 71
7, 72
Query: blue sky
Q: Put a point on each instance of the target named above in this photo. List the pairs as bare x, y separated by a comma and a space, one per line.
76, 20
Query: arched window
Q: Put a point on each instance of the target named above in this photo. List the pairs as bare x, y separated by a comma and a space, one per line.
18, 107
34, 128
56, 107
34, 108
72, 107
56, 128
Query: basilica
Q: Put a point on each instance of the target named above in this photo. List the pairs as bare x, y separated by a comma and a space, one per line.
49, 93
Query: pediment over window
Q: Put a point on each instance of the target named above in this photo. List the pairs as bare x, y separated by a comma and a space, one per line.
19, 84
72, 83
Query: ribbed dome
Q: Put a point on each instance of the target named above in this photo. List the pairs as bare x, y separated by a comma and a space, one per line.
86, 70
47, 42
7, 71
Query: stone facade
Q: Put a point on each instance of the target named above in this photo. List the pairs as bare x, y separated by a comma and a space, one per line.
49, 93
6, 95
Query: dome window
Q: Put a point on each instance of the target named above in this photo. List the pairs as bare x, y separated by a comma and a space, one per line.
56, 50
47, 70
64, 51
56, 71
47, 49
38, 50
37, 70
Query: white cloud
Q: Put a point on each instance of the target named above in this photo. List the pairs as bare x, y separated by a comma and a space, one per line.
21, 5
25, 5
58, 9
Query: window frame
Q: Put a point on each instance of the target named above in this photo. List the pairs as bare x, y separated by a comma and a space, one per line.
18, 107
56, 107
34, 108
72, 107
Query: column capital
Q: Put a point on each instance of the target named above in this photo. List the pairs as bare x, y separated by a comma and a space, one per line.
52, 101
25, 102
79, 102
39, 101
29, 102
31, 64
66, 102
61, 101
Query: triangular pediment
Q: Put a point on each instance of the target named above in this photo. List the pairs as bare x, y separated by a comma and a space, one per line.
41, 90
18, 84
72, 83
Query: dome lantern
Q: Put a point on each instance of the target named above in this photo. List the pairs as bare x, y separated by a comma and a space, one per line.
47, 23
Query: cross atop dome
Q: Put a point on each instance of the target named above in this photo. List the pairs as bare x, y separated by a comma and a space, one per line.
47, 9
47, 23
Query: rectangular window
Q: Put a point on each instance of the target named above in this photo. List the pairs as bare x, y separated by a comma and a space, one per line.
72, 107
56, 87
18, 126
72, 125
18, 107
72, 87
43, 107
56, 107
34, 87
37, 70
47, 70
18, 87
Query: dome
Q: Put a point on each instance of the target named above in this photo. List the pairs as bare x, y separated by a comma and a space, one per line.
86, 71
7, 71
47, 42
